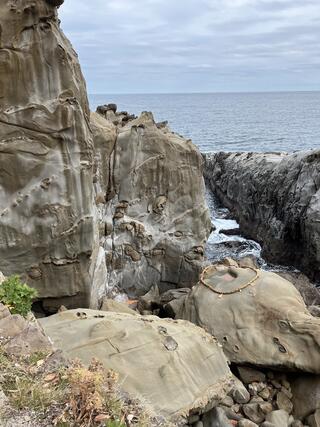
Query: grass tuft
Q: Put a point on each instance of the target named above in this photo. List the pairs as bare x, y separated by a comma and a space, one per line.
69, 396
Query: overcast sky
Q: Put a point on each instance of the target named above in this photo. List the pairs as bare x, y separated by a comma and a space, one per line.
156, 46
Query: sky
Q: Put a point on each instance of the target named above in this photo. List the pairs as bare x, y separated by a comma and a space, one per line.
182, 46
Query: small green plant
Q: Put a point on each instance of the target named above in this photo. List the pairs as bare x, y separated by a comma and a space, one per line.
17, 296
114, 424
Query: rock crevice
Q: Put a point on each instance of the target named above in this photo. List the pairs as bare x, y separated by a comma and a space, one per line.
87, 202
276, 199
155, 215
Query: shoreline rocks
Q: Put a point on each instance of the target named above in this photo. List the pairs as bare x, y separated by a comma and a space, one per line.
100, 203
276, 199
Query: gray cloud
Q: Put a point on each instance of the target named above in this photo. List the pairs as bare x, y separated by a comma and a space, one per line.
128, 46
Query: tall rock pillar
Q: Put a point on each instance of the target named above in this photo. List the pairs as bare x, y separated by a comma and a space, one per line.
46, 155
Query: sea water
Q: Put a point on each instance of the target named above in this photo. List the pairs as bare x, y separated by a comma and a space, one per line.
285, 121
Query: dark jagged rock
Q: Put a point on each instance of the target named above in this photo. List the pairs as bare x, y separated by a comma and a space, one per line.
109, 112
55, 3
103, 109
276, 199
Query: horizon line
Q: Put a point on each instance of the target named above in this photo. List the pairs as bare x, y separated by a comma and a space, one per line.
206, 93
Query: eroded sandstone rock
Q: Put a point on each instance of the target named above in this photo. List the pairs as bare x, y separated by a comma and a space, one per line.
308, 290
20, 336
46, 154
77, 219
276, 199
117, 307
257, 316
155, 219
174, 366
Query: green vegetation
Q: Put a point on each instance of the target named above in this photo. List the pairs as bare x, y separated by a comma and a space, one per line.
17, 296
115, 424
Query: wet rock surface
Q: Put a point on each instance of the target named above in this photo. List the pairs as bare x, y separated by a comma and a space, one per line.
276, 199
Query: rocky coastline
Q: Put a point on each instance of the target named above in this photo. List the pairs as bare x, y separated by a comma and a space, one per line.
276, 200
105, 215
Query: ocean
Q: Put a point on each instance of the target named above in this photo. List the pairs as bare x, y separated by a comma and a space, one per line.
282, 121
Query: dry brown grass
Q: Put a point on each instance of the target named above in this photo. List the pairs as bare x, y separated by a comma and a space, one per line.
69, 396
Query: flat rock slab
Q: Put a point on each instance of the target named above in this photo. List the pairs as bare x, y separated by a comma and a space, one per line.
172, 365
250, 375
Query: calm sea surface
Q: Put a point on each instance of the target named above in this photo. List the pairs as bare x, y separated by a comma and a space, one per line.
287, 121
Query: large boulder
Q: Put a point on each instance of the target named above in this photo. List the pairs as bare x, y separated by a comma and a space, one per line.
257, 316
155, 220
276, 199
46, 156
173, 366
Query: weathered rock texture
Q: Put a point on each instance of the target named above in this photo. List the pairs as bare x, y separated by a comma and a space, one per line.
138, 188
276, 199
46, 153
20, 336
306, 395
174, 366
258, 317
154, 221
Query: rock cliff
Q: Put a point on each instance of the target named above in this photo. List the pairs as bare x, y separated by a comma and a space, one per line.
138, 189
46, 154
154, 218
276, 199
